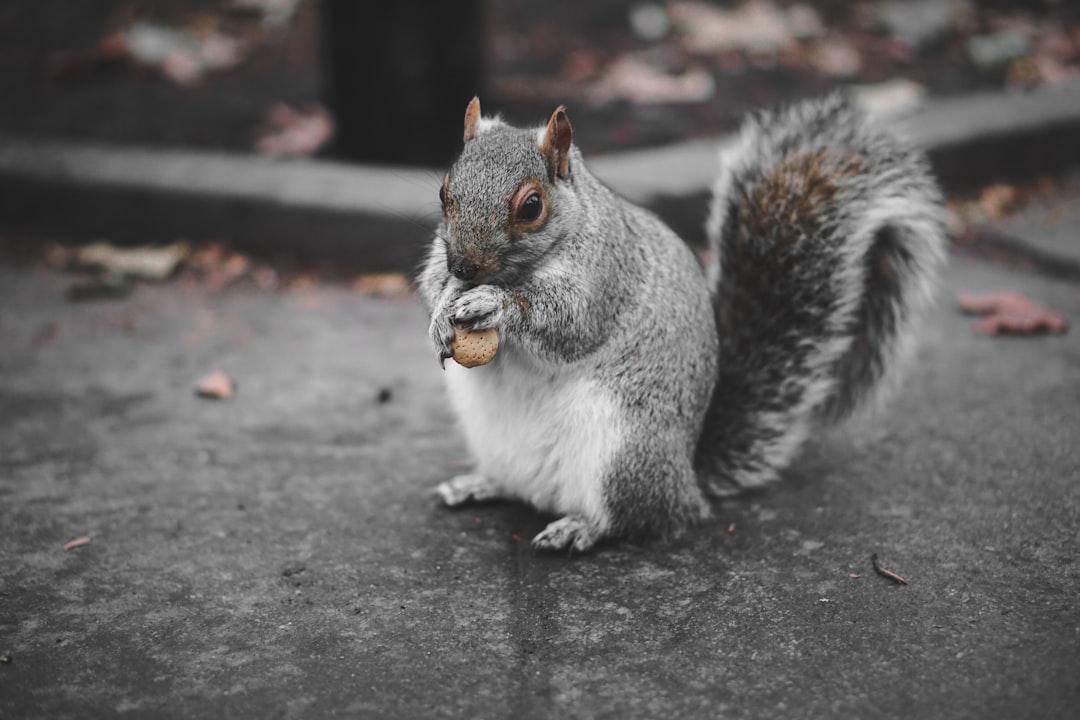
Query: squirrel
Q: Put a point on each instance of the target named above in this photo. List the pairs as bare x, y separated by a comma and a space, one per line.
633, 385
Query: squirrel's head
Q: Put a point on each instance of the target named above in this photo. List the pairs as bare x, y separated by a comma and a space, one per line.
501, 195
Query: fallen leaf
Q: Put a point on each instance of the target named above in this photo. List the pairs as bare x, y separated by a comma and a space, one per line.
837, 58
56, 257
639, 81
383, 285
182, 55
1023, 74
581, 65
236, 267
891, 98
804, 22
649, 21
275, 13
292, 132
757, 26
143, 263
293, 569
266, 277
921, 23
217, 267
215, 386
208, 256
181, 68
1000, 200
302, 281
996, 49
883, 572
77, 542
1011, 313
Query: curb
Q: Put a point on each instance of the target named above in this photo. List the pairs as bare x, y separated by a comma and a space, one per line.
380, 218
372, 216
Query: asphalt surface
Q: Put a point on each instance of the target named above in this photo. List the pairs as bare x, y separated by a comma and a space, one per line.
280, 555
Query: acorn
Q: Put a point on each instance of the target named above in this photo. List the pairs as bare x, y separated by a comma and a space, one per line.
473, 348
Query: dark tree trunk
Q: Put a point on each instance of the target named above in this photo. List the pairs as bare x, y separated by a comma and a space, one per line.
399, 74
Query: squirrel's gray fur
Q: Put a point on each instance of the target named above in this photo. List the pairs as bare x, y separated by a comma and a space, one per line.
629, 381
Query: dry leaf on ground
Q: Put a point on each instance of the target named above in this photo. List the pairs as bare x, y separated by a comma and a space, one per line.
77, 542
1000, 200
1011, 313
837, 57
639, 81
891, 98
215, 386
184, 56
143, 263
275, 13
757, 26
293, 132
384, 285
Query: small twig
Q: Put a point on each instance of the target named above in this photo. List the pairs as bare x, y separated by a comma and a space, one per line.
886, 573
77, 542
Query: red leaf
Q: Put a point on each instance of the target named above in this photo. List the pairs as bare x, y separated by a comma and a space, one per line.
1011, 313
77, 542
292, 132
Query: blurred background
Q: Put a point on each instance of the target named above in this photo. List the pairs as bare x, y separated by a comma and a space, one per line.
387, 82
314, 132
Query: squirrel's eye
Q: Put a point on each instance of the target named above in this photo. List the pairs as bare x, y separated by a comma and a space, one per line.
443, 196
530, 208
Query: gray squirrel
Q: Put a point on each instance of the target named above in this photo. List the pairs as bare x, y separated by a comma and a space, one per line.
631, 384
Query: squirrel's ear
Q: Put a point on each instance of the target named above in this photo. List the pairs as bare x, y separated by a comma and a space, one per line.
472, 119
555, 143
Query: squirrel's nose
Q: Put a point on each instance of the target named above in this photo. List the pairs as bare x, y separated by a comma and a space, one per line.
462, 267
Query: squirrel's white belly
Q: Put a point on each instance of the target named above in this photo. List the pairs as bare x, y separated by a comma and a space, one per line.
543, 433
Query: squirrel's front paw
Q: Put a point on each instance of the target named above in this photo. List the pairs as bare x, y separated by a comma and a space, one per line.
442, 336
464, 489
480, 308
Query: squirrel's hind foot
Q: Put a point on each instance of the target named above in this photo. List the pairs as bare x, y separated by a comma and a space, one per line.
465, 489
573, 533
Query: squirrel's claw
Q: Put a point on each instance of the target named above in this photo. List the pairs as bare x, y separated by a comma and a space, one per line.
441, 333
479, 308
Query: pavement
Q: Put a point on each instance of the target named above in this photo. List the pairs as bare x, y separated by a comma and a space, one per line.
280, 554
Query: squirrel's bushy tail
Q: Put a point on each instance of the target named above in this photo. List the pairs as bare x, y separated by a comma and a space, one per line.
826, 239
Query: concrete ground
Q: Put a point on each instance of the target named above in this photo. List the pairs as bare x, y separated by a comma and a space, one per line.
279, 555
